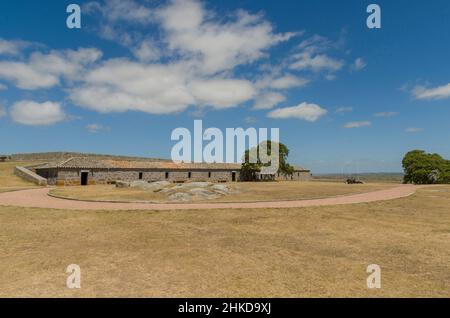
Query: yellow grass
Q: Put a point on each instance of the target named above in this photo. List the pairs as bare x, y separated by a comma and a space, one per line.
9, 181
300, 252
247, 191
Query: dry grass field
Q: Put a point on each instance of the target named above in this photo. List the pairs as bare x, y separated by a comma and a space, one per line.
247, 191
9, 181
365, 177
301, 252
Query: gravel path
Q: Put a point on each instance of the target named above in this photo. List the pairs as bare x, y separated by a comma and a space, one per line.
38, 198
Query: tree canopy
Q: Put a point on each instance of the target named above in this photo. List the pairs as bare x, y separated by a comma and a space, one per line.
425, 168
250, 170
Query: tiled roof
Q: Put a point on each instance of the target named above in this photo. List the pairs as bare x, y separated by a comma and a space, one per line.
78, 162
126, 164
91, 163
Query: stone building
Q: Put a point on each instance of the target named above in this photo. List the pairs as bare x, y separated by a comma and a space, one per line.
3, 158
86, 171
300, 174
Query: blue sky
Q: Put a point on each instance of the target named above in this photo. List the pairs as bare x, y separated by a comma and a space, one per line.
345, 97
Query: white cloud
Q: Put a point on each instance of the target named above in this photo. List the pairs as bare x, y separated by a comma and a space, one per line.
147, 51
45, 70
440, 92
121, 85
218, 46
250, 120
281, 82
12, 47
120, 97
341, 110
200, 44
359, 64
268, 100
288, 81
413, 130
319, 44
386, 114
120, 10
67, 63
313, 56
191, 61
315, 63
314, 43
118, 35
182, 15
222, 93
357, 124
305, 111
26, 77
120, 20
95, 128
28, 112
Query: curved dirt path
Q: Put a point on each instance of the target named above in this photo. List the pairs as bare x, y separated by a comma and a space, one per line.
39, 198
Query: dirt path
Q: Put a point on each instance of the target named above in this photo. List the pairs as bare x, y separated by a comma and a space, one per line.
38, 198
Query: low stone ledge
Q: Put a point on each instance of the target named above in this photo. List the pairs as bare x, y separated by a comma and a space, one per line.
29, 175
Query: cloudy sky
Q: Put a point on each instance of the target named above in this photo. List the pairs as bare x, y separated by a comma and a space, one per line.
346, 98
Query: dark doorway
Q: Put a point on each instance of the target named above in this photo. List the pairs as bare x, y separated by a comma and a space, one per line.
233, 176
140, 175
84, 178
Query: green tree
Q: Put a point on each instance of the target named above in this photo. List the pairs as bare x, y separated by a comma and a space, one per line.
250, 170
424, 168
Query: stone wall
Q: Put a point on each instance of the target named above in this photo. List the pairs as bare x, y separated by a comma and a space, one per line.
29, 175
296, 176
49, 174
68, 177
